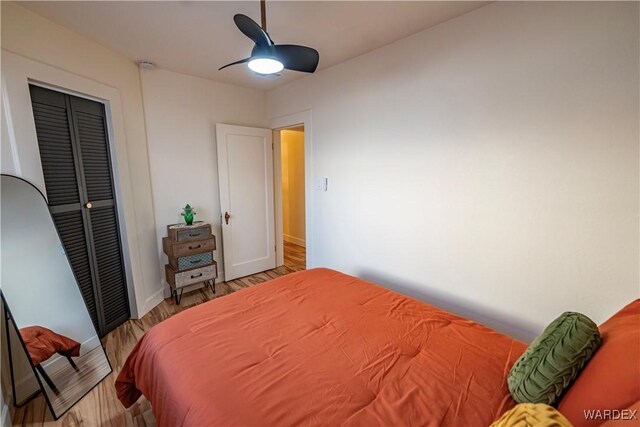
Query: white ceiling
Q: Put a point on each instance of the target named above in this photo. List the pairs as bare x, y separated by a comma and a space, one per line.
197, 37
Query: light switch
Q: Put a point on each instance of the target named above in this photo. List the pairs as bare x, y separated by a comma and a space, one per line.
322, 184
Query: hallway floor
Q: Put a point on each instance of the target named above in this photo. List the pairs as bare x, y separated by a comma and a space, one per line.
295, 256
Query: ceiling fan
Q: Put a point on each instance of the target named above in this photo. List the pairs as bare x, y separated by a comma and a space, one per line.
268, 57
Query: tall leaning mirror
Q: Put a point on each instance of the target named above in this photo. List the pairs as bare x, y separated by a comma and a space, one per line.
43, 305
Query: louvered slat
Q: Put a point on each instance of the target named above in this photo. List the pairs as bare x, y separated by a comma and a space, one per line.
112, 288
73, 240
95, 155
56, 153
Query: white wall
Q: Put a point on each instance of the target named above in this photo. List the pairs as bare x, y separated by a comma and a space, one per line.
292, 155
488, 165
181, 113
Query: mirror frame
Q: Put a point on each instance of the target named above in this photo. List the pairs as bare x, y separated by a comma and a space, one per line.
9, 316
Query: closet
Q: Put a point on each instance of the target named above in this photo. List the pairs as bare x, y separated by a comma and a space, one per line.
74, 152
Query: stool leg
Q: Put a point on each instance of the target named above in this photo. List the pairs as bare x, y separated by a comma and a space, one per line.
177, 296
72, 363
40, 369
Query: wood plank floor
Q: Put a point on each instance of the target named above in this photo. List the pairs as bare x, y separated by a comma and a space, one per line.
101, 407
92, 367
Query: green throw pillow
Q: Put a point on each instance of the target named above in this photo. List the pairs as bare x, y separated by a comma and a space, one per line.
554, 359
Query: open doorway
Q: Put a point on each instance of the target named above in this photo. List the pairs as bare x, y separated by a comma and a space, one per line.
293, 229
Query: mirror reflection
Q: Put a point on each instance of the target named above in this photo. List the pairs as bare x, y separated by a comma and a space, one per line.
44, 301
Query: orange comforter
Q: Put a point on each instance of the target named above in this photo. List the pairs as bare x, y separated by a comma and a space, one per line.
320, 348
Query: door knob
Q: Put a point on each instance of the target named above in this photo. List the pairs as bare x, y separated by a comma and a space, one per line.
88, 205
226, 217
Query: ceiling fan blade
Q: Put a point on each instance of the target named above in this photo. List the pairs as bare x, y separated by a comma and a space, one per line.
251, 29
234, 63
297, 58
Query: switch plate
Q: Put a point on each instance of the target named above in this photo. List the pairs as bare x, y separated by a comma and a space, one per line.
322, 184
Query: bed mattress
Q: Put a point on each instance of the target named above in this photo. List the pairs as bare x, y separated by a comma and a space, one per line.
320, 348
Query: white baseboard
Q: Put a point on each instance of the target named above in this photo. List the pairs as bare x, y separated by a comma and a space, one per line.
25, 384
295, 240
151, 302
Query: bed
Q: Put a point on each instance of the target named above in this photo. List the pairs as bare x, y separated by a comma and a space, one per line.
320, 347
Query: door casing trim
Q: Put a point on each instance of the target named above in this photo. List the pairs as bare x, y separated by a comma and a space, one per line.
302, 118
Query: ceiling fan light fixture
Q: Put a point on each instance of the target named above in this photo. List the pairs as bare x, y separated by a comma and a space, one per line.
268, 58
265, 65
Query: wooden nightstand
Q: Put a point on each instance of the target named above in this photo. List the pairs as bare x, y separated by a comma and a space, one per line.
190, 252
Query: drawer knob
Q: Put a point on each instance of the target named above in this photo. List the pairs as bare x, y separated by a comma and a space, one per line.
226, 217
89, 205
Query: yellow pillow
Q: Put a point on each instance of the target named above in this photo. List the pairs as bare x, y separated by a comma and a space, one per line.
532, 415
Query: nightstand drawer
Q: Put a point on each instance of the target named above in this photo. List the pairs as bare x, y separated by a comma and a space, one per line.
185, 233
197, 234
191, 261
176, 250
190, 277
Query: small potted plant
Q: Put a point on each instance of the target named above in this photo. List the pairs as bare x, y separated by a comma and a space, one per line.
188, 214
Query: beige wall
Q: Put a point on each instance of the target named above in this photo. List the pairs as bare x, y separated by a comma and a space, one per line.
292, 155
488, 165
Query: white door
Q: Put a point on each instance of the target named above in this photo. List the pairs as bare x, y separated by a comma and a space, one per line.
245, 169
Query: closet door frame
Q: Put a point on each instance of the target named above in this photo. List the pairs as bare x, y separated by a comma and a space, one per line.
126, 262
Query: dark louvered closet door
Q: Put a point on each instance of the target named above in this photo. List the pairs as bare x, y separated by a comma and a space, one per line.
74, 152
91, 127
